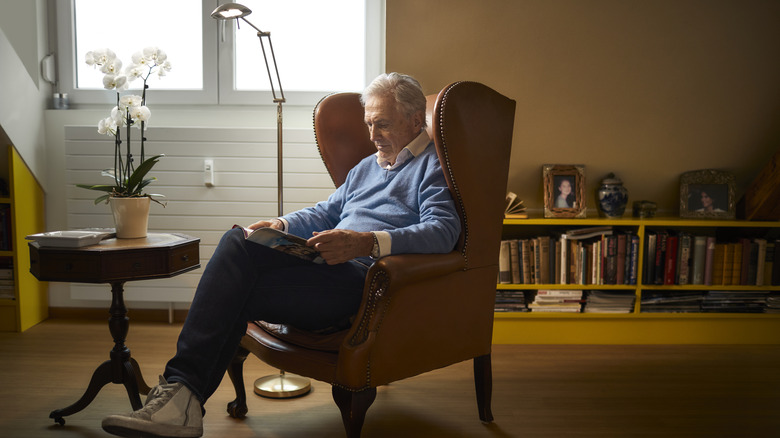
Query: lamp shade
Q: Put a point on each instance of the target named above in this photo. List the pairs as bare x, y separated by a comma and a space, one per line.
229, 11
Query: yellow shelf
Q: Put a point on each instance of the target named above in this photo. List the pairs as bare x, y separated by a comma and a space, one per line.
27, 206
564, 315
648, 222
566, 286
734, 287
673, 328
634, 327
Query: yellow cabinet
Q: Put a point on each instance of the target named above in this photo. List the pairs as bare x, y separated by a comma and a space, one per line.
23, 299
637, 327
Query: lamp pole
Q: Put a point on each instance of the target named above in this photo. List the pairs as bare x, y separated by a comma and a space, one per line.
234, 11
281, 385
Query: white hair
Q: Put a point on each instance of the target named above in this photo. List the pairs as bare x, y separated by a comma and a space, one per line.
405, 89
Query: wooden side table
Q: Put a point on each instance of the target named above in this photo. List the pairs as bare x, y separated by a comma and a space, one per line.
115, 261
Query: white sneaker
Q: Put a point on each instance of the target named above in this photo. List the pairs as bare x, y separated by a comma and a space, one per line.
171, 411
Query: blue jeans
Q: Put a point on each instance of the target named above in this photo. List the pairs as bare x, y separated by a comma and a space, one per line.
245, 281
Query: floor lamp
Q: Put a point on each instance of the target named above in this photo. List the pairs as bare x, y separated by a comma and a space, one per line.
281, 385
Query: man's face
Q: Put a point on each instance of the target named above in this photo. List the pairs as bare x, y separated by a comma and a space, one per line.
390, 129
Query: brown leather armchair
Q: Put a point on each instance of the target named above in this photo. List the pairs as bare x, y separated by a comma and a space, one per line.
420, 312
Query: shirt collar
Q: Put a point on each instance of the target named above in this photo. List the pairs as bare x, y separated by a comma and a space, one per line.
413, 149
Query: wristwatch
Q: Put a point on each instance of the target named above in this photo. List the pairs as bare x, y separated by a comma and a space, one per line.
375, 248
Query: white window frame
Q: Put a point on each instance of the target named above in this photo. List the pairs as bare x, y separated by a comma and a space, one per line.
374, 52
67, 66
218, 65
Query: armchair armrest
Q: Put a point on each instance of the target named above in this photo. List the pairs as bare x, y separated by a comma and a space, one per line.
402, 269
389, 275
411, 303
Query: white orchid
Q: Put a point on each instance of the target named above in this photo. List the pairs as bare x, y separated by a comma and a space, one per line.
129, 100
165, 67
107, 126
138, 59
130, 110
119, 116
154, 55
100, 57
134, 71
113, 66
140, 114
118, 82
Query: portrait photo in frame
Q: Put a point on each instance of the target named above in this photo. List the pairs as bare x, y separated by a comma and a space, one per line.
707, 194
564, 190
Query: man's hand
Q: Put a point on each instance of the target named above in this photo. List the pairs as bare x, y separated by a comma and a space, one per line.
273, 223
339, 246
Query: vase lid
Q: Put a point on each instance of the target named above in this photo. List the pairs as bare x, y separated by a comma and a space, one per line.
611, 179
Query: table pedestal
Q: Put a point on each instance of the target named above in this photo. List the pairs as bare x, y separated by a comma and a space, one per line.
120, 368
115, 261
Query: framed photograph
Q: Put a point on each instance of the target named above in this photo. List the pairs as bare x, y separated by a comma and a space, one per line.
706, 194
564, 188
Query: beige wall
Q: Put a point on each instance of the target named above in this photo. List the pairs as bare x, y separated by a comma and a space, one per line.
645, 89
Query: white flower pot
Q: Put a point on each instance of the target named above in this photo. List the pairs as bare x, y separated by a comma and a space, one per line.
131, 216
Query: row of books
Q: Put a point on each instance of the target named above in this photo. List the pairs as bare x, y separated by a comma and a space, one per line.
676, 301
7, 284
595, 255
680, 258
710, 302
510, 301
5, 227
564, 301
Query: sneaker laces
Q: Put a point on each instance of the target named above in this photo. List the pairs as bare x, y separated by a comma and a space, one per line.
158, 396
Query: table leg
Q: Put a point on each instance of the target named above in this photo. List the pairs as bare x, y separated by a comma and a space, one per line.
121, 368
143, 388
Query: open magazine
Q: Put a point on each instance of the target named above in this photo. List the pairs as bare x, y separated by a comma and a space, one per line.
281, 241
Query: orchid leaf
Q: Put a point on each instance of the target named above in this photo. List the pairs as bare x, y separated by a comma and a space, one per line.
103, 198
136, 181
101, 187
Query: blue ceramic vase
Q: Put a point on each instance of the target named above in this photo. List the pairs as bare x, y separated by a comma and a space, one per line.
613, 197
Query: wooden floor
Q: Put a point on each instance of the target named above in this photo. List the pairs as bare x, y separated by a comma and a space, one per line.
539, 391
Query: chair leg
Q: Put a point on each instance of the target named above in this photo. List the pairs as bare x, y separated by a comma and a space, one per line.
237, 408
483, 381
353, 406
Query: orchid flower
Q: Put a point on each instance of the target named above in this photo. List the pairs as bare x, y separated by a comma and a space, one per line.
130, 110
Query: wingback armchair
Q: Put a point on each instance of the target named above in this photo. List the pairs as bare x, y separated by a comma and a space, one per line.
420, 312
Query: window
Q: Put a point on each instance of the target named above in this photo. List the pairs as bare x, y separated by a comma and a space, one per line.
137, 29
320, 47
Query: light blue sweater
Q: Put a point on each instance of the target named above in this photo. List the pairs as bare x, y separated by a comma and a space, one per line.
411, 202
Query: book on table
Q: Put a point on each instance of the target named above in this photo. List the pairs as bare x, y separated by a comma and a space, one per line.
281, 241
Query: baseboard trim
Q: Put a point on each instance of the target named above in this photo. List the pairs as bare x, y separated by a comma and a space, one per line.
97, 313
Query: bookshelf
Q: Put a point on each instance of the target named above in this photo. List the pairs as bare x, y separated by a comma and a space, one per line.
637, 327
26, 304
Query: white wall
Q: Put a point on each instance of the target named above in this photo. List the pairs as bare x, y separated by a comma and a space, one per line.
23, 42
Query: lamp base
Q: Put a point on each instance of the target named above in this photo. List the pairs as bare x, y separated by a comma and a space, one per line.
282, 386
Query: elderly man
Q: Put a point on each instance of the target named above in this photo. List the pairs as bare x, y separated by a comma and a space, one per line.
396, 201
